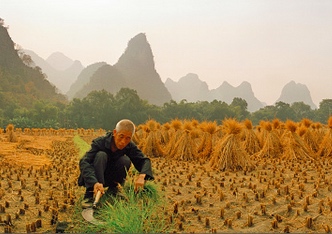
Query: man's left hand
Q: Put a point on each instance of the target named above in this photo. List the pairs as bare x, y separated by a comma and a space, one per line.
139, 183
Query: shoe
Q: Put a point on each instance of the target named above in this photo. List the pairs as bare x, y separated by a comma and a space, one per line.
87, 203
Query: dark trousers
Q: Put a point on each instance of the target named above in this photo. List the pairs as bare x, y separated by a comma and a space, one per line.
109, 172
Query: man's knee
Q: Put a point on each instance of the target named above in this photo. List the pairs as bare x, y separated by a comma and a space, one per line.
100, 159
124, 162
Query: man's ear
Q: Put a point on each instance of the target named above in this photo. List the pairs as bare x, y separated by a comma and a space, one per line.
114, 132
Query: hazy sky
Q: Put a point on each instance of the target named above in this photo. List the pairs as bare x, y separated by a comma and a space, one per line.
265, 42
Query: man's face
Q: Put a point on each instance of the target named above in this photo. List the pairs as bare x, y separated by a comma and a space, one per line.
121, 138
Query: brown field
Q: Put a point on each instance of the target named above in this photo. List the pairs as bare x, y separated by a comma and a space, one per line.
285, 189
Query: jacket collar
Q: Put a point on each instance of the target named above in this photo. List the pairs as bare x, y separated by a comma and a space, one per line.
109, 137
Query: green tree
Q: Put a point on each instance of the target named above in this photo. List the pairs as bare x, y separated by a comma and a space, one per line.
284, 111
324, 111
265, 113
240, 108
302, 111
130, 106
217, 110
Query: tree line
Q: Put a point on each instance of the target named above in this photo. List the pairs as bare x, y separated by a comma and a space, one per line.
101, 109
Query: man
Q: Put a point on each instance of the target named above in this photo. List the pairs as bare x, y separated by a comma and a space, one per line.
107, 162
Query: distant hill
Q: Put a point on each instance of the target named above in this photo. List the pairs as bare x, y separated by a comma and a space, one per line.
135, 69
227, 93
59, 61
106, 77
191, 88
296, 92
59, 69
21, 85
83, 79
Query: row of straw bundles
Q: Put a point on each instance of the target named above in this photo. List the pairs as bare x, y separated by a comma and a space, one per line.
229, 145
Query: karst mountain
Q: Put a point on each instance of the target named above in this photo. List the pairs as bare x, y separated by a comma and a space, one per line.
20, 84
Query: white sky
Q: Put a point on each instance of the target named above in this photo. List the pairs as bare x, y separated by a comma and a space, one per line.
265, 42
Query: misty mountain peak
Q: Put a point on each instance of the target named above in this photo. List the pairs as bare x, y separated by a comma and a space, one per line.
193, 80
137, 53
296, 92
59, 61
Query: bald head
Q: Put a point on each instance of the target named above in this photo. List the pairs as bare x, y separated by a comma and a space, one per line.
125, 125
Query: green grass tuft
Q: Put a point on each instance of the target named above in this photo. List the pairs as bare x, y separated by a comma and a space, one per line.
141, 212
82, 145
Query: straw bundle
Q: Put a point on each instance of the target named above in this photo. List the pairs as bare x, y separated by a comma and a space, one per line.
251, 143
325, 147
306, 133
11, 136
139, 134
270, 142
229, 153
207, 139
277, 126
175, 132
294, 146
151, 146
319, 132
165, 133
185, 148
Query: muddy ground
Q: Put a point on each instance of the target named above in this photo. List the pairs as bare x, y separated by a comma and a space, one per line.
38, 191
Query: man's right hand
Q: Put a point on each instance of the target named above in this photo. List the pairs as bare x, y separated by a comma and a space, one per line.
98, 187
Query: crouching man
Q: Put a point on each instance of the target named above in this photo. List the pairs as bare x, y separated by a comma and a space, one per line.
107, 162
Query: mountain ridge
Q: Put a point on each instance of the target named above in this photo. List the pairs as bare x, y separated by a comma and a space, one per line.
137, 61
62, 79
191, 88
21, 85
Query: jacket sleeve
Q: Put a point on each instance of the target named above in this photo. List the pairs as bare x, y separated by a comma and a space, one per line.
86, 164
140, 161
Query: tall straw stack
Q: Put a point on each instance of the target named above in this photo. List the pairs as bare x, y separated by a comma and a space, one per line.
251, 142
151, 146
229, 153
306, 133
325, 147
11, 136
185, 148
175, 132
270, 141
294, 146
208, 138
319, 132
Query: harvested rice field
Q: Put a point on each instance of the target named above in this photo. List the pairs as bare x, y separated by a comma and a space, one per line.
229, 177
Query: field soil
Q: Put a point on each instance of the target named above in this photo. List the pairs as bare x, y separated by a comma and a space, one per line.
39, 191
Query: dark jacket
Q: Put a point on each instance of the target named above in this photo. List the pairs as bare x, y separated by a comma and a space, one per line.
139, 160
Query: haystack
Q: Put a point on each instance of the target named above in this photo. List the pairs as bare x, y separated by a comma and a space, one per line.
270, 142
325, 147
151, 146
185, 148
294, 146
306, 133
229, 153
165, 133
139, 135
175, 133
207, 139
11, 135
251, 142
319, 132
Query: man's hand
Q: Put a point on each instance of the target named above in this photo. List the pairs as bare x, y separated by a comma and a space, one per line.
139, 183
98, 187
